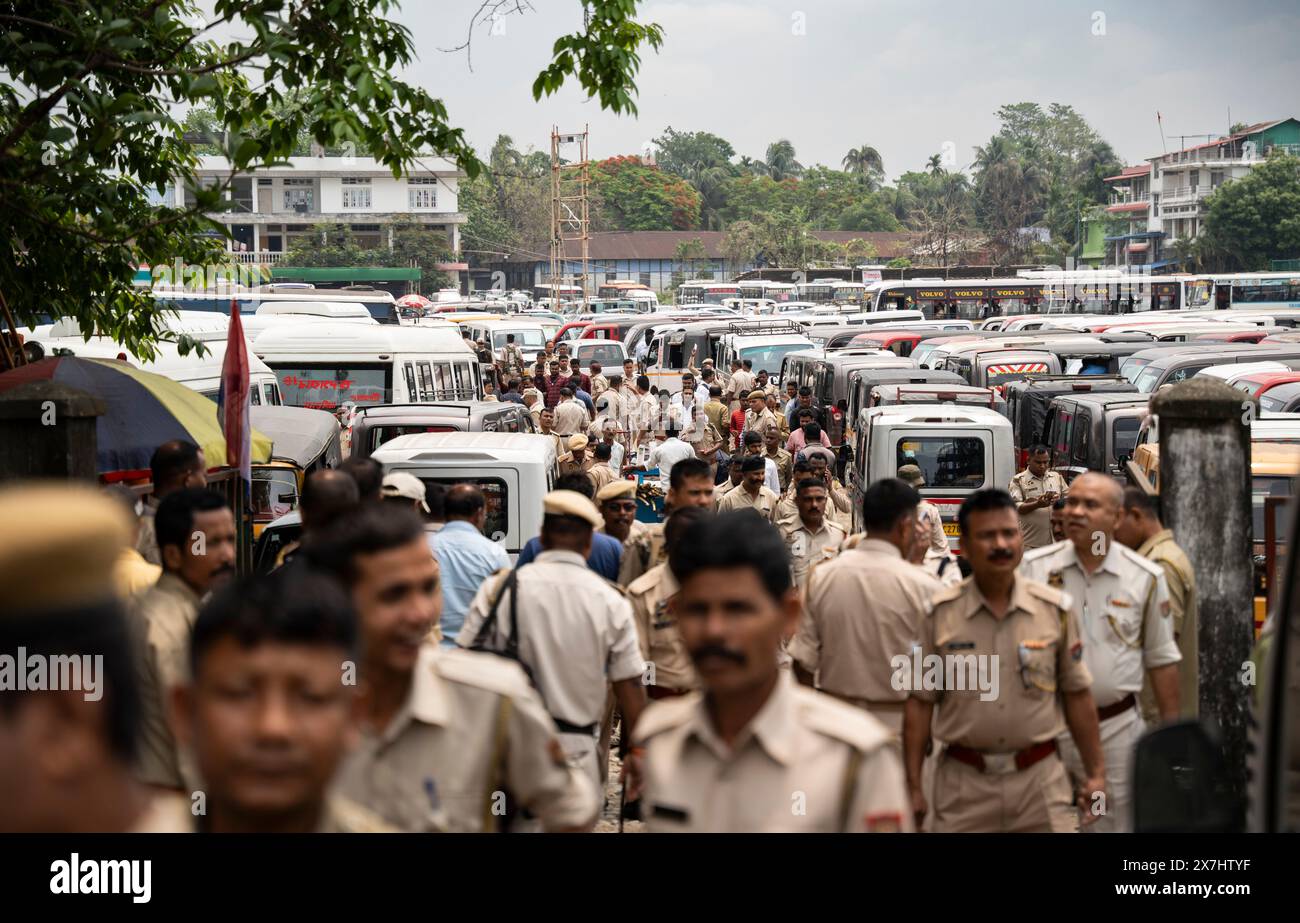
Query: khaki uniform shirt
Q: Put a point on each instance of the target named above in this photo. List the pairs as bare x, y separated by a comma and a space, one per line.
784, 465
656, 629
575, 634
758, 422
643, 550
718, 414
764, 502
929, 514
808, 548
860, 611
1181, 583
1123, 612
599, 385
570, 417
721, 490
1036, 526
742, 383
804, 764
569, 466
1039, 656
472, 727
600, 474
163, 618
132, 574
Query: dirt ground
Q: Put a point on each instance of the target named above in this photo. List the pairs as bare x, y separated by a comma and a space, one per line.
608, 822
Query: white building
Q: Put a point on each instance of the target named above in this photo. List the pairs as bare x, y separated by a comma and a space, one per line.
1181, 180
275, 207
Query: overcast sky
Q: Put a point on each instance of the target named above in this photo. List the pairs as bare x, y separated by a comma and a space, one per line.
906, 76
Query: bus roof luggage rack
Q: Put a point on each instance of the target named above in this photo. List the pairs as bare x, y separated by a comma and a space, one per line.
755, 328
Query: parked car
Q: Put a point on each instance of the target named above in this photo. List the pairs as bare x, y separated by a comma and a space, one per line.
1093, 432
373, 426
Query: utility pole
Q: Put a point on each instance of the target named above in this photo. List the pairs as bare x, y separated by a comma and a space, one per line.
569, 215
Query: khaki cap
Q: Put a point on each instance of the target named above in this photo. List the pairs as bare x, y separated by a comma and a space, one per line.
616, 490
756, 394
912, 475
577, 441
404, 484
572, 503
58, 546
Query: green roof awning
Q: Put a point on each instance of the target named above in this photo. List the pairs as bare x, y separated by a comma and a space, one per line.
345, 273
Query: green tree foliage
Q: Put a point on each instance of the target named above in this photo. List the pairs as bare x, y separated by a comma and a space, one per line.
508, 206
1255, 219
89, 141
865, 161
638, 197
780, 162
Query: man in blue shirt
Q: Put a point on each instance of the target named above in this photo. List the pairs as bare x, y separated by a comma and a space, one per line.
465, 557
606, 551
575, 382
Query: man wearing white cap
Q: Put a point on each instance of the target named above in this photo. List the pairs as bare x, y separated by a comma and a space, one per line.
572, 630
404, 486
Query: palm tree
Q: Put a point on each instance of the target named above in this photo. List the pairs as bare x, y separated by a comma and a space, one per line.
934, 166
997, 151
864, 161
781, 163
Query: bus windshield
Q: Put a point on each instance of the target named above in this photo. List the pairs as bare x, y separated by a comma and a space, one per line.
769, 358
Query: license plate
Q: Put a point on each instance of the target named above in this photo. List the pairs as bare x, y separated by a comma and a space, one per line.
951, 528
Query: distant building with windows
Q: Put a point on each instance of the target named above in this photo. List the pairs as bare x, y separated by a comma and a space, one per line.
650, 257
274, 208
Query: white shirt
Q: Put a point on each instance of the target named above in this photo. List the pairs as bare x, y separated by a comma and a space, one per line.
616, 457
666, 454
1123, 612
576, 633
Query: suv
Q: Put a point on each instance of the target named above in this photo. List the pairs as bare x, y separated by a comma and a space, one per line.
1093, 432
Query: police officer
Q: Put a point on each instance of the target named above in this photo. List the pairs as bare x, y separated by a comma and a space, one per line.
754, 751
752, 493
196, 538
1018, 680
268, 763
1141, 529
66, 761
811, 537
670, 672
571, 630
865, 608
1035, 490
450, 739
1124, 618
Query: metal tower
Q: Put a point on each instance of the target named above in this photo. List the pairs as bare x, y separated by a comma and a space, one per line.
569, 218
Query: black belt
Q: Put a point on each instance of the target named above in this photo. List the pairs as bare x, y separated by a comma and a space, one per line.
567, 728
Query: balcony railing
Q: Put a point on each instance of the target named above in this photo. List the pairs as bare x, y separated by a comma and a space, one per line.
257, 256
1130, 199
1183, 194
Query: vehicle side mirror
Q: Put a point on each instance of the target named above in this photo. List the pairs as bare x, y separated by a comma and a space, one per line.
1181, 783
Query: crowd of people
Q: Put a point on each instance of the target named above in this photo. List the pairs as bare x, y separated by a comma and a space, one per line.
758, 667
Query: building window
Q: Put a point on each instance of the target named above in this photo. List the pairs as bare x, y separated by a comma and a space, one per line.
356, 192
299, 195
423, 192
1216, 179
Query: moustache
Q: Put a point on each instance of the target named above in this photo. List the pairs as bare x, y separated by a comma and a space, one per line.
1000, 554
717, 650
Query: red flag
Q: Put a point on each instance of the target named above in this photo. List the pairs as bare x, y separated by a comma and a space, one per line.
234, 401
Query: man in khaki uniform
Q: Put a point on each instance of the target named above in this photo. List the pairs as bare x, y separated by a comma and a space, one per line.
735, 474
174, 466
758, 417
927, 514
822, 461
570, 414
1142, 530
599, 383
279, 639
670, 672
511, 362
600, 472
742, 379
718, 413
784, 461
196, 537
998, 675
577, 461
450, 740
66, 761
865, 608
572, 630
751, 494
811, 538
1035, 490
617, 504
754, 751
1123, 611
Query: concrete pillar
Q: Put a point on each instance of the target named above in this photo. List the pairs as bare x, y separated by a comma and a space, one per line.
1205, 494
47, 430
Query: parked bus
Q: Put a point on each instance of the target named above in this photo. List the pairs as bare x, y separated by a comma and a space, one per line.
705, 291
379, 303
966, 299
768, 290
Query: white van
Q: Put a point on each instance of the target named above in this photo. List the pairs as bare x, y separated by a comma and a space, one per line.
324, 365
514, 471
609, 353
530, 336
959, 449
